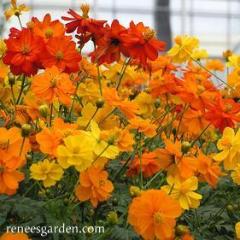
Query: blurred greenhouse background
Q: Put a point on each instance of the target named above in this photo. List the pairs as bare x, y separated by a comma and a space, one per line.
215, 22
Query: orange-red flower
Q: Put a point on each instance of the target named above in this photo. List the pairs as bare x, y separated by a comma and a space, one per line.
94, 186
61, 52
53, 84
153, 215
141, 44
109, 46
23, 52
149, 164
223, 113
47, 28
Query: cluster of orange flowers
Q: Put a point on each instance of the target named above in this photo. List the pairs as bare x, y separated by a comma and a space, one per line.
83, 111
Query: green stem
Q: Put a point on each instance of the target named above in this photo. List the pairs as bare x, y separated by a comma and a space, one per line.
99, 79
152, 179
94, 114
21, 90
124, 68
22, 145
50, 116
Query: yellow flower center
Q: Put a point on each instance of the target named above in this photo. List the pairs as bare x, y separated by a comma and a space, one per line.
85, 10
49, 33
157, 218
101, 183
59, 55
25, 50
149, 34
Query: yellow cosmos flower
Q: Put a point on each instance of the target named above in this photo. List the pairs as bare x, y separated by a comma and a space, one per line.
4, 70
199, 54
236, 174
15, 9
182, 50
46, 171
102, 148
237, 230
183, 191
234, 61
3, 48
145, 104
77, 151
229, 146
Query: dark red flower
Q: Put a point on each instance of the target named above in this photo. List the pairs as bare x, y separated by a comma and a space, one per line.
109, 47
23, 52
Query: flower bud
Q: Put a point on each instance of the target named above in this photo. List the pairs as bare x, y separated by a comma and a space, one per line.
100, 103
11, 79
181, 229
44, 110
26, 129
157, 103
112, 217
185, 146
134, 191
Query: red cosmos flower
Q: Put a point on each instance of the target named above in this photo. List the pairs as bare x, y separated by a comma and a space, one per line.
141, 43
109, 47
61, 52
23, 52
223, 113
87, 27
47, 28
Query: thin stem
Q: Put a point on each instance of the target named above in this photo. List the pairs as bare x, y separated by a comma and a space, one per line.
153, 178
94, 114
203, 131
21, 90
13, 95
99, 79
20, 22
124, 68
140, 158
50, 116
22, 145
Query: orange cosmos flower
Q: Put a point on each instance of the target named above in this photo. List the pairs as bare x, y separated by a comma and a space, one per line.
94, 186
215, 65
61, 52
11, 142
47, 28
149, 163
23, 52
193, 122
141, 44
50, 138
143, 125
127, 107
171, 158
209, 171
53, 84
9, 175
14, 236
153, 215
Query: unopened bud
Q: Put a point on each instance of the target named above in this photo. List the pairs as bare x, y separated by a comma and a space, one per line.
26, 130
44, 110
185, 146
11, 79
100, 103
134, 191
112, 217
